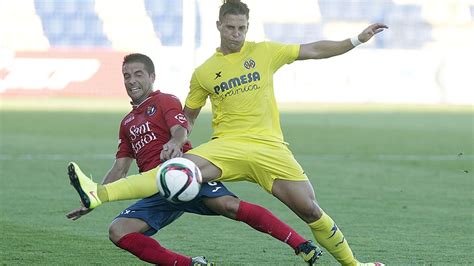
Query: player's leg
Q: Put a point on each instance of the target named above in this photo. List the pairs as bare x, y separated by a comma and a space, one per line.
93, 194
127, 233
209, 171
133, 228
144, 184
218, 199
279, 173
299, 197
132, 187
221, 159
229, 161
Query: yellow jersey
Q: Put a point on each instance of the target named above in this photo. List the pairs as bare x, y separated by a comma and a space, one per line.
240, 88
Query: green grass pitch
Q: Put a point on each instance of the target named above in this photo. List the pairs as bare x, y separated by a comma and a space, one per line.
399, 183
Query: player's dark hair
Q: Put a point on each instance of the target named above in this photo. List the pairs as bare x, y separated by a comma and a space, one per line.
140, 58
234, 7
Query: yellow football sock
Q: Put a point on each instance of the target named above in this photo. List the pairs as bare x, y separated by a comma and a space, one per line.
102, 193
131, 187
331, 238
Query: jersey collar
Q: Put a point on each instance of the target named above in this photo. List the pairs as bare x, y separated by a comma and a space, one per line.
136, 106
243, 49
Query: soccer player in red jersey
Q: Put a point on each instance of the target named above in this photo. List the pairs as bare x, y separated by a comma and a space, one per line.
154, 131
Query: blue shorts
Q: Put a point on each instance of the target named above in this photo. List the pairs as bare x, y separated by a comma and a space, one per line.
157, 212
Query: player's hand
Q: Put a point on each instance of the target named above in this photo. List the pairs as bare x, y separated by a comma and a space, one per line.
370, 31
78, 213
170, 150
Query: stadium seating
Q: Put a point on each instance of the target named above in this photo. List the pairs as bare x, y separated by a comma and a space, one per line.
409, 29
167, 17
100, 23
70, 47
293, 32
71, 23
354, 10
127, 25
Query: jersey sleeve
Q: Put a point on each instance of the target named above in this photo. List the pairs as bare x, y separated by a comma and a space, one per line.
282, 54
173, 111
124, 145
197, 95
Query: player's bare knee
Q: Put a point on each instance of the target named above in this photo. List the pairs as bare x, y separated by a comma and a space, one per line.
226, 205
309, 213
115, 233
231, 206
121, 227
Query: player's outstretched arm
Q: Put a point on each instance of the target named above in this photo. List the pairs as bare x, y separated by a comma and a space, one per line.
370, 31
78, 213
119, 170
191, 115
326, 49
173, 148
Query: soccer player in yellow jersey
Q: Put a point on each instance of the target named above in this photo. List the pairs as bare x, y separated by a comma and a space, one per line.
247, 142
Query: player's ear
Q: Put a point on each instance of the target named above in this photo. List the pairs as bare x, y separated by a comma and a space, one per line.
218, 25
152, 77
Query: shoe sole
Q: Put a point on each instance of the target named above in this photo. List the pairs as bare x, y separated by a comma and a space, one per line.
71, 171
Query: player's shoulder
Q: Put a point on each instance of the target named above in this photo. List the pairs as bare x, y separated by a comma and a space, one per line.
127, 118
159, 95
269, 45
261, 48
163, 98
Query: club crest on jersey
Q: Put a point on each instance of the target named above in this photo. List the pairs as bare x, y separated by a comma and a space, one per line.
248, 64
151, 110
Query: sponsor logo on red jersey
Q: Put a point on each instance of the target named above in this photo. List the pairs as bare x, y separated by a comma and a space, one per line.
140, 135
181, 118
129, 119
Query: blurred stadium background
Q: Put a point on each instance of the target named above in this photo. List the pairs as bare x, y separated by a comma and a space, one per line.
74, 48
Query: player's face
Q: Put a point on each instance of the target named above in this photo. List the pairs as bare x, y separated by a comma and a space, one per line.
233, 29
138, 82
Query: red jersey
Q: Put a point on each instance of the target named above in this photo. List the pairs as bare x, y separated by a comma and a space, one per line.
145, 130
